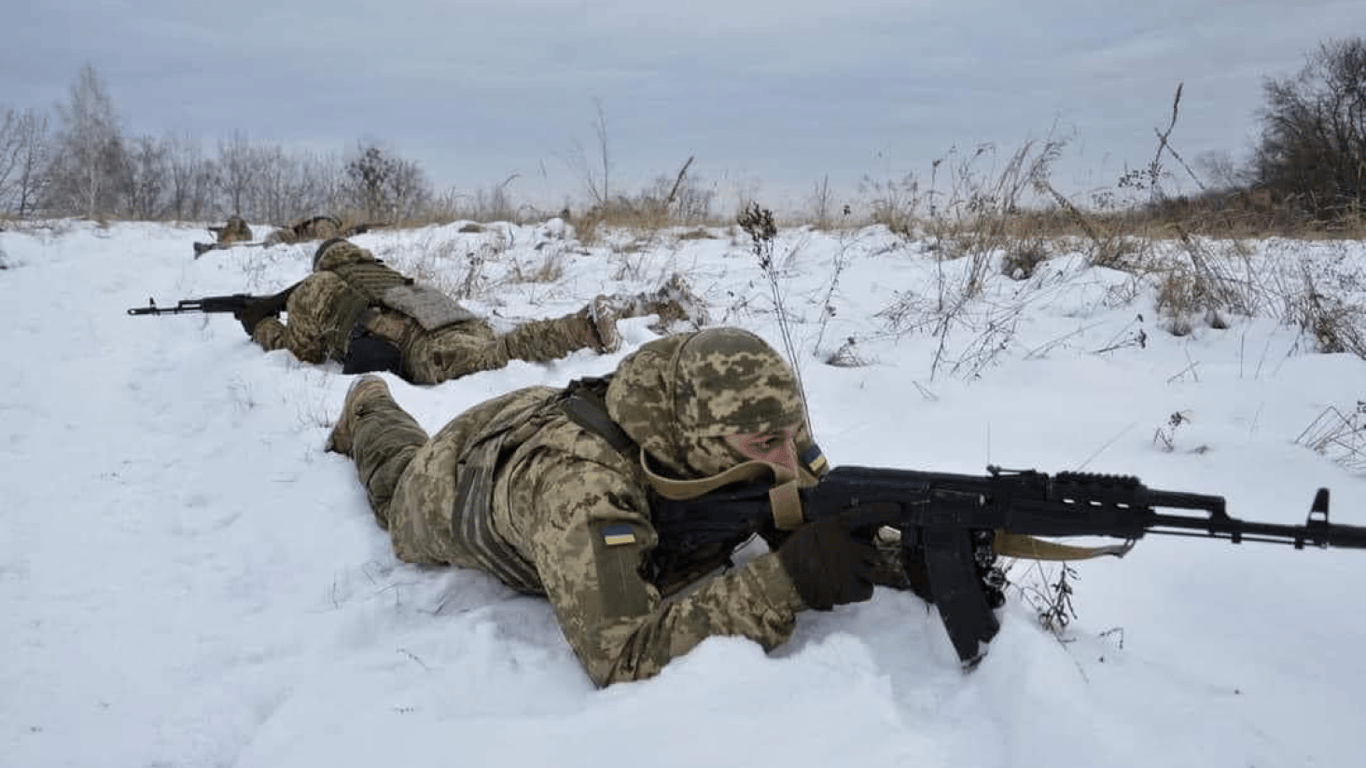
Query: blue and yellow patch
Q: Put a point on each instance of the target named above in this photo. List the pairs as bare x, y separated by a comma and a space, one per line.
616, 534
815, 460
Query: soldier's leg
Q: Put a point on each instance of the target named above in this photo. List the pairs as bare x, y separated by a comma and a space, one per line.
593, 327
673, 302
382, 440
453, 352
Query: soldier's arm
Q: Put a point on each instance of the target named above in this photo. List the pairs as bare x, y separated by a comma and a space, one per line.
304, 334
590, 547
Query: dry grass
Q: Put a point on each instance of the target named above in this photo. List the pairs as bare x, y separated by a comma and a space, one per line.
549, 269
645, 220
1335, 325
1340, 436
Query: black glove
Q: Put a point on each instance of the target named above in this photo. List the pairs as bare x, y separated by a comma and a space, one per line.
253, 313
829, 562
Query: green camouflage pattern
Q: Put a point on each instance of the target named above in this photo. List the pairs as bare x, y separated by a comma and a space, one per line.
577, 510
704, 385
321, 312
304, 230
324, 308
466, 348
234, 231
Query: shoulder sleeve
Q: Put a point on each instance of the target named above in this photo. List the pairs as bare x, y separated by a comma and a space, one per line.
309, 321
590, 538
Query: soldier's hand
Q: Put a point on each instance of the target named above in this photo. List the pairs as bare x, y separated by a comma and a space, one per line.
830, 562
252, 314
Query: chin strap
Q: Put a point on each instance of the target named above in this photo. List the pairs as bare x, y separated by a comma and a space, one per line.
785, 496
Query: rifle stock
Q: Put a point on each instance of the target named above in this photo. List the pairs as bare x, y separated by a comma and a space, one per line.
948, 522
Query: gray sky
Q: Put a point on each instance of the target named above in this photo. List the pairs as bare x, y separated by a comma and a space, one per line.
768, 96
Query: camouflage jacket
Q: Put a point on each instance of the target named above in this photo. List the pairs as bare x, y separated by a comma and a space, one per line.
322, 311
574, 515
325, 307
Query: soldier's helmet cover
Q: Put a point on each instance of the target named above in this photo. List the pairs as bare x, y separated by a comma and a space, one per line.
337, 251
680, 395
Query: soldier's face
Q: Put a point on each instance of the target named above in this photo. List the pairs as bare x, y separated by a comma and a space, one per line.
790, 448
778, 448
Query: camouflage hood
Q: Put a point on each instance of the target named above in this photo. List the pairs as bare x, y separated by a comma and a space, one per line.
337, 252
677, 396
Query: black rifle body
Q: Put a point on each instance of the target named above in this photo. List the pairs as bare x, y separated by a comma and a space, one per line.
232, 304
208, 304
948, 523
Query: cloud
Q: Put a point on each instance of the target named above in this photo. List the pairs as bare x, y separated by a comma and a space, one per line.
795, 89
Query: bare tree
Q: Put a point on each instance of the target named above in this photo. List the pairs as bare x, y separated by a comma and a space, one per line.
365, 179
409, 190
1313, 142
239, 173
191, 177
295, 185
147, 180
385, 187
321, 184
11, 147
821, 202
31, 178
88, 160
1222, 170
278, 186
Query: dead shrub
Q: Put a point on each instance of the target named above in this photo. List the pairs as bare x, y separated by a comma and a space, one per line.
1335, 325
847, 356
548, 270
1183, 297
1339, 436
1023, 257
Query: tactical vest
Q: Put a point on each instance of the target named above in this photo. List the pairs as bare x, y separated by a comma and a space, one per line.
384, 305
472, 514
383, 287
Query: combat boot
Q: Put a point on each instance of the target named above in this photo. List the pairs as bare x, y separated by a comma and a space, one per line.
600, 325
362, 390
674, 302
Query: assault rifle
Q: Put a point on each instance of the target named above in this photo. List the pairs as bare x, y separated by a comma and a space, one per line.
202, 248
235, 303
952, 525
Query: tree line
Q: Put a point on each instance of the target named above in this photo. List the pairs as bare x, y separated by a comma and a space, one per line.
79, 162
1309, 157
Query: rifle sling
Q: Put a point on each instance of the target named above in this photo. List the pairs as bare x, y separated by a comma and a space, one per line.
584, 404
1031, 548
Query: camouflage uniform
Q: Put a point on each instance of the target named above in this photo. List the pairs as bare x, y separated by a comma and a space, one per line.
517, 488
313, 228
234, 231
351, 294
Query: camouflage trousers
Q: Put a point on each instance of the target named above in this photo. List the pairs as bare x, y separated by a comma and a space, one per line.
466, 348
412, 479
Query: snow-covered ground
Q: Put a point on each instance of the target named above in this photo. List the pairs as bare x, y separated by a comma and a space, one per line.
187, 579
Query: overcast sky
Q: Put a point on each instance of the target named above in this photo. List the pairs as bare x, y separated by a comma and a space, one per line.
768, 96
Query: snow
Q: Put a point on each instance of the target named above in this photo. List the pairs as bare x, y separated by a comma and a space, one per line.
188, 579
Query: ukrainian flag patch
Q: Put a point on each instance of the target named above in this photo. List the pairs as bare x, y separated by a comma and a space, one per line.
815, 460
616, 534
